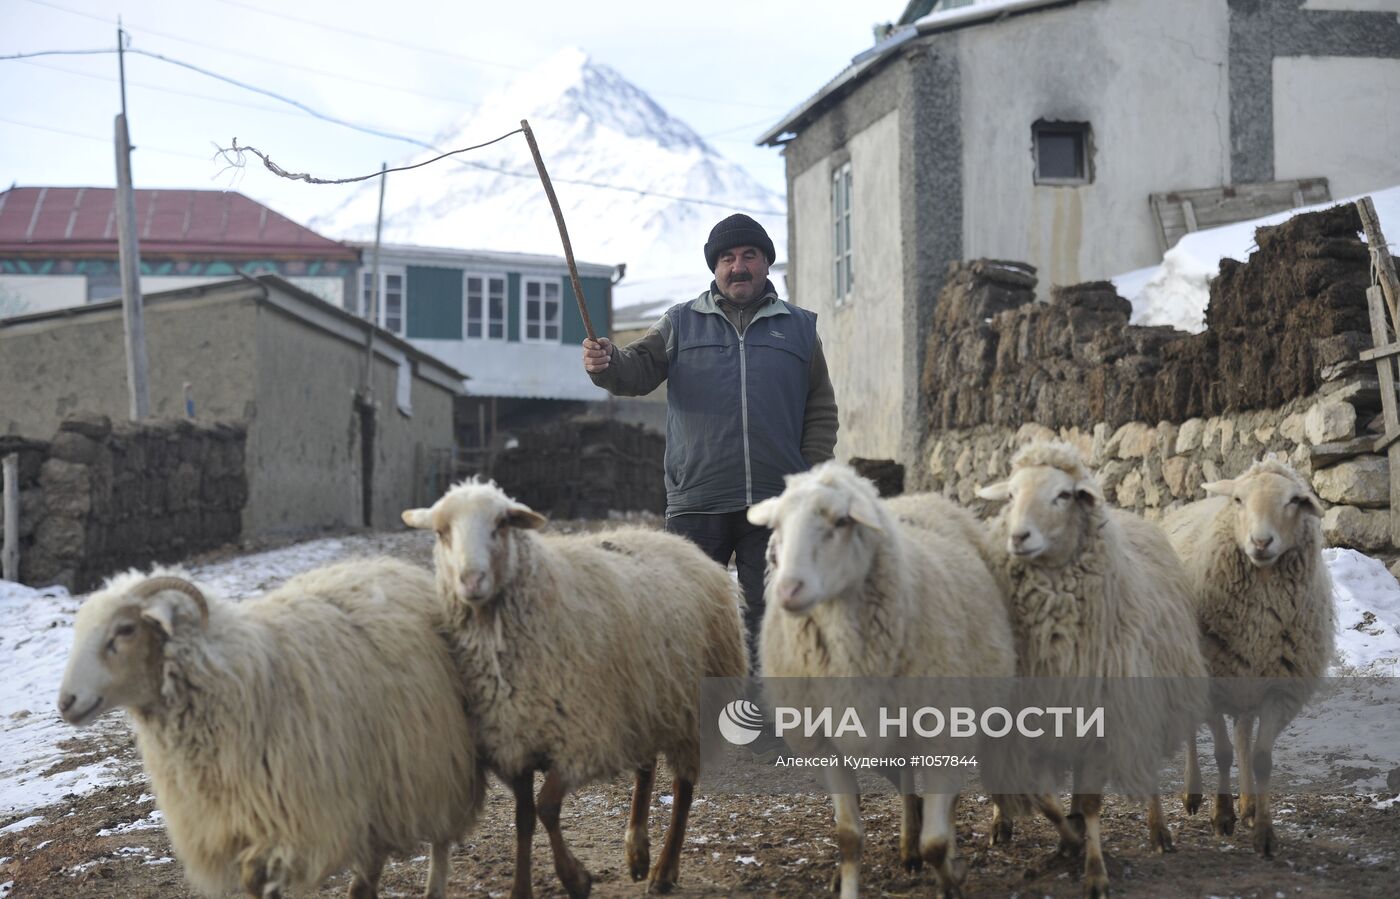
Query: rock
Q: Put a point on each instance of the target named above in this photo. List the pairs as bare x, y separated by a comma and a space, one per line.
1265, 434
1130, 489
1227, 436
1188, 438
1328, 421
73, 446
1293, 428
1361, 529
963, 467
1325, 454
1174, 473
1166, 439
1100, 451
1392, 780
1030, 432
1135, 440
89, 424
1363, 481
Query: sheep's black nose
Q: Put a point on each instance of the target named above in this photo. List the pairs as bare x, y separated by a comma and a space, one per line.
65, 702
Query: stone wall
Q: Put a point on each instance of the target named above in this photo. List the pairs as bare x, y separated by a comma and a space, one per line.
585, 468
1159, 412
100, 498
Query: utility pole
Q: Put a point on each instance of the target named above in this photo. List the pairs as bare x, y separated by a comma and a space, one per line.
130, 256
364, 400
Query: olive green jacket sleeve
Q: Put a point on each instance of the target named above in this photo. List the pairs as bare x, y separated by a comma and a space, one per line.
638, 368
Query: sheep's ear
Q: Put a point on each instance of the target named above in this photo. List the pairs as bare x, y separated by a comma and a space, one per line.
1088, 494
763, 514
999, 492
525, 518
864, 512
1309, 504
160, 610
1219, 488
418, 518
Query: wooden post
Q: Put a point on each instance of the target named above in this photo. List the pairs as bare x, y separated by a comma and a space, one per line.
129, 251
1385, 371
1380, 258
9, 556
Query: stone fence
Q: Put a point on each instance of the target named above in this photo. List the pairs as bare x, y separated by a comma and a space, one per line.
100, 498
1160, 412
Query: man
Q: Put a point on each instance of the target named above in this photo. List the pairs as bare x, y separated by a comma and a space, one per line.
748, 401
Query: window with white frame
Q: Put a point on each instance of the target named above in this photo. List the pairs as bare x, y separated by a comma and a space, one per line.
390, 313
844, 280
486, 307
542, 315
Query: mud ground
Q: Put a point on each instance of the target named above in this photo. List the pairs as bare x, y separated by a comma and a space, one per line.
1332, 846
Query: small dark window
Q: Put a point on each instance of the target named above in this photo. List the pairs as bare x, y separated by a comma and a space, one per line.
1061, 152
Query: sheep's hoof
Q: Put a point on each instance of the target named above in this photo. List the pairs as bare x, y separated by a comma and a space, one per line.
638, 861
911, 859
1161, 840
1264, 841
836, 882
1096, 889
1223, 821
1247, 811
1191, 802
662, 881
362, 889
1001, 833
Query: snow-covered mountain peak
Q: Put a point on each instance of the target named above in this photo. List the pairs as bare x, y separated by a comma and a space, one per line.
637, 185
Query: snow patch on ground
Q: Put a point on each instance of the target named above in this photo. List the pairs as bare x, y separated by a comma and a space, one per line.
154, 821
1368, 613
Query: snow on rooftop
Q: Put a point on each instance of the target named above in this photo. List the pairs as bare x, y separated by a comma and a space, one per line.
1177, 291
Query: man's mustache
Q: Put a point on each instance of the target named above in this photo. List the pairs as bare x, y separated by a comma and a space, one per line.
741, 276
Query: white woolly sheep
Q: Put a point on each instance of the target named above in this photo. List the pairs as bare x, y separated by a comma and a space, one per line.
1097, 594
854, 592
583, 657
1253, 555
318, 727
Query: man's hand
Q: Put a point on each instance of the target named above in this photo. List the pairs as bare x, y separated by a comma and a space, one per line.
597, 355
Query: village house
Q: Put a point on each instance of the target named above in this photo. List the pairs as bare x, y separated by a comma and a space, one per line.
58, 246
1080, 136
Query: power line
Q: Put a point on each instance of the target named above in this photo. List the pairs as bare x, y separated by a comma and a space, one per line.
100, 139
457, 100
164, 90
389, 135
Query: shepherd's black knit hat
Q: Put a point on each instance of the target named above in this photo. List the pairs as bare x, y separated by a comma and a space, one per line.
737, 231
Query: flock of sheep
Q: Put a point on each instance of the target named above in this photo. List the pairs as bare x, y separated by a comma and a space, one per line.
354, 712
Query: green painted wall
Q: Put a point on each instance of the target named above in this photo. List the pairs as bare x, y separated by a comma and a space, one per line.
513, 307
434, 302
595, 295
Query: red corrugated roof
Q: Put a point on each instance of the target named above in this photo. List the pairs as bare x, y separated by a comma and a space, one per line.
69, 220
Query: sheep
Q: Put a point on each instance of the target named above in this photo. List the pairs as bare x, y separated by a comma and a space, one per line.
583, 657
1097, 594
854, 592
318, 727
1253, 554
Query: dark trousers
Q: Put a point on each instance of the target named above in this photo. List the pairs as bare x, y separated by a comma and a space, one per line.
730, 534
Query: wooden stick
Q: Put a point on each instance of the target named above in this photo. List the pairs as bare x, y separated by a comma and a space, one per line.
1380, 256
563, 232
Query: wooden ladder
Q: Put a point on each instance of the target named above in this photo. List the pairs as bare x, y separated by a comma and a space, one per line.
1382, 300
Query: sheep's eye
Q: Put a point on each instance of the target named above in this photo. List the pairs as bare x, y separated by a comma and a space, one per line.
1238, 501
125, 630
844, 521
1064, 497
442, 535
1296, 501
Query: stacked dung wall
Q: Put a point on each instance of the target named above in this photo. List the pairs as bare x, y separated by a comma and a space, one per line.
1159, 411
585, 468
100, 498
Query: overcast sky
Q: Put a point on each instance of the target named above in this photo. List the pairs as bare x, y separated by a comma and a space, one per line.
408, 66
